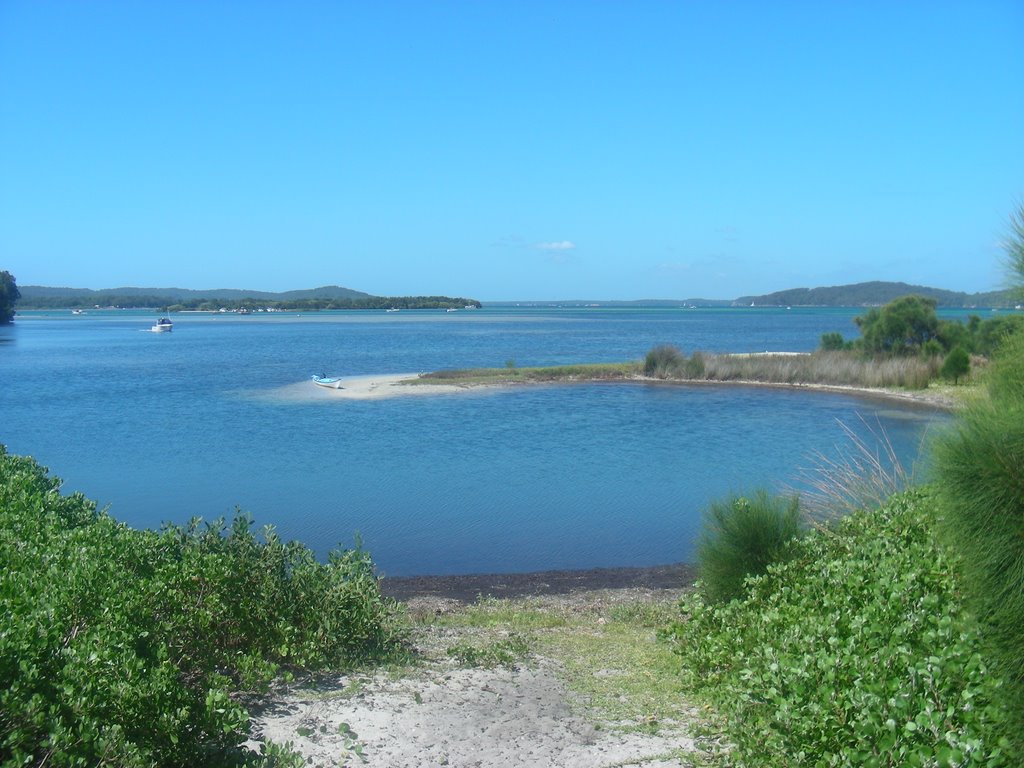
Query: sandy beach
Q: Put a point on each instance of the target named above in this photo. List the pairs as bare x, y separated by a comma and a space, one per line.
379, 387
536, 712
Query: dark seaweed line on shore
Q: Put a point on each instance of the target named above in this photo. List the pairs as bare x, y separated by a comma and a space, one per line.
468, 587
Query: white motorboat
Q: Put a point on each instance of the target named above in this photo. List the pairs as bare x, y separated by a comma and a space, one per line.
163, 325
331, 382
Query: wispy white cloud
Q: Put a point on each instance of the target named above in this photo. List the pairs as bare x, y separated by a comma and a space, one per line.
558, 245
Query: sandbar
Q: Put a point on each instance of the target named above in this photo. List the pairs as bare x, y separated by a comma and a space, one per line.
392, 385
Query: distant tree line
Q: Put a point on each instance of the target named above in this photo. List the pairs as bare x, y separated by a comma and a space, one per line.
250, 304
909, 326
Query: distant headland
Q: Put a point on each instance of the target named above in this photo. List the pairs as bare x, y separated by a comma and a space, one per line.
870, 294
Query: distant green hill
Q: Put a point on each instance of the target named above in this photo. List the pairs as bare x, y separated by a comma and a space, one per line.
873, 293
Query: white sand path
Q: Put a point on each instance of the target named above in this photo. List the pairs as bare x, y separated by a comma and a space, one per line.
460, 718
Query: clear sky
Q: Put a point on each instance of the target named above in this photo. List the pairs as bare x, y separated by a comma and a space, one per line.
510, 150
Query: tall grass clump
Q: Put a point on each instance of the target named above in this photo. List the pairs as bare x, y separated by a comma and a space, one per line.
855, 651
979, 468
741, 537
664, 362
862, 474
129, 648
835, 368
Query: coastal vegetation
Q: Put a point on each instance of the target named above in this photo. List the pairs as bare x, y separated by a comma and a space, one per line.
891, 634
136, 648
856, 650
980, 480
668, 363
909, 326
9, 296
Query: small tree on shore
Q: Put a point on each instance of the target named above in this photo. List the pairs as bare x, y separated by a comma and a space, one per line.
957, 364
9, 294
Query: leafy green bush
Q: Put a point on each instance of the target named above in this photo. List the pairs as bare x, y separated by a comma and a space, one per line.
741, 537
125, 647
990, 334
900, 327
856, 651
832, 342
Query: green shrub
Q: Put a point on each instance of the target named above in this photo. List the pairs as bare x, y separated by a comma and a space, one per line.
956, 365
932, 348
124, 647
952, 334
664, 361
1005, 381
856, 651
832, 342
741, 537
979, 468
990, 334
900, 327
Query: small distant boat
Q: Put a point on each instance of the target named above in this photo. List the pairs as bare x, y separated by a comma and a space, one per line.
392, 309
77, 312
331, 382
163, 325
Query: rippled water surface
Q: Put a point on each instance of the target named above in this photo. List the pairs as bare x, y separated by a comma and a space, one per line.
169, 426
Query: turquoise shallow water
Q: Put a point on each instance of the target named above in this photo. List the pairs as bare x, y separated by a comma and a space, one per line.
169, 426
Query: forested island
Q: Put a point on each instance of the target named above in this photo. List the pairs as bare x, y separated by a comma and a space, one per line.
873, 294
230, 299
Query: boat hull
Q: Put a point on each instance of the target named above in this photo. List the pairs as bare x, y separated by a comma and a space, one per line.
327, 382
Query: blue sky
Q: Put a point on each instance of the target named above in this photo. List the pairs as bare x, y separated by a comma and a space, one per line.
510, 150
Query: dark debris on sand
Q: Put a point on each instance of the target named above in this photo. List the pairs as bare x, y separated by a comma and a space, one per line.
467, 588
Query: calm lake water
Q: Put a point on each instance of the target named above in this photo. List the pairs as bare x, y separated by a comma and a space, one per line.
164, 427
